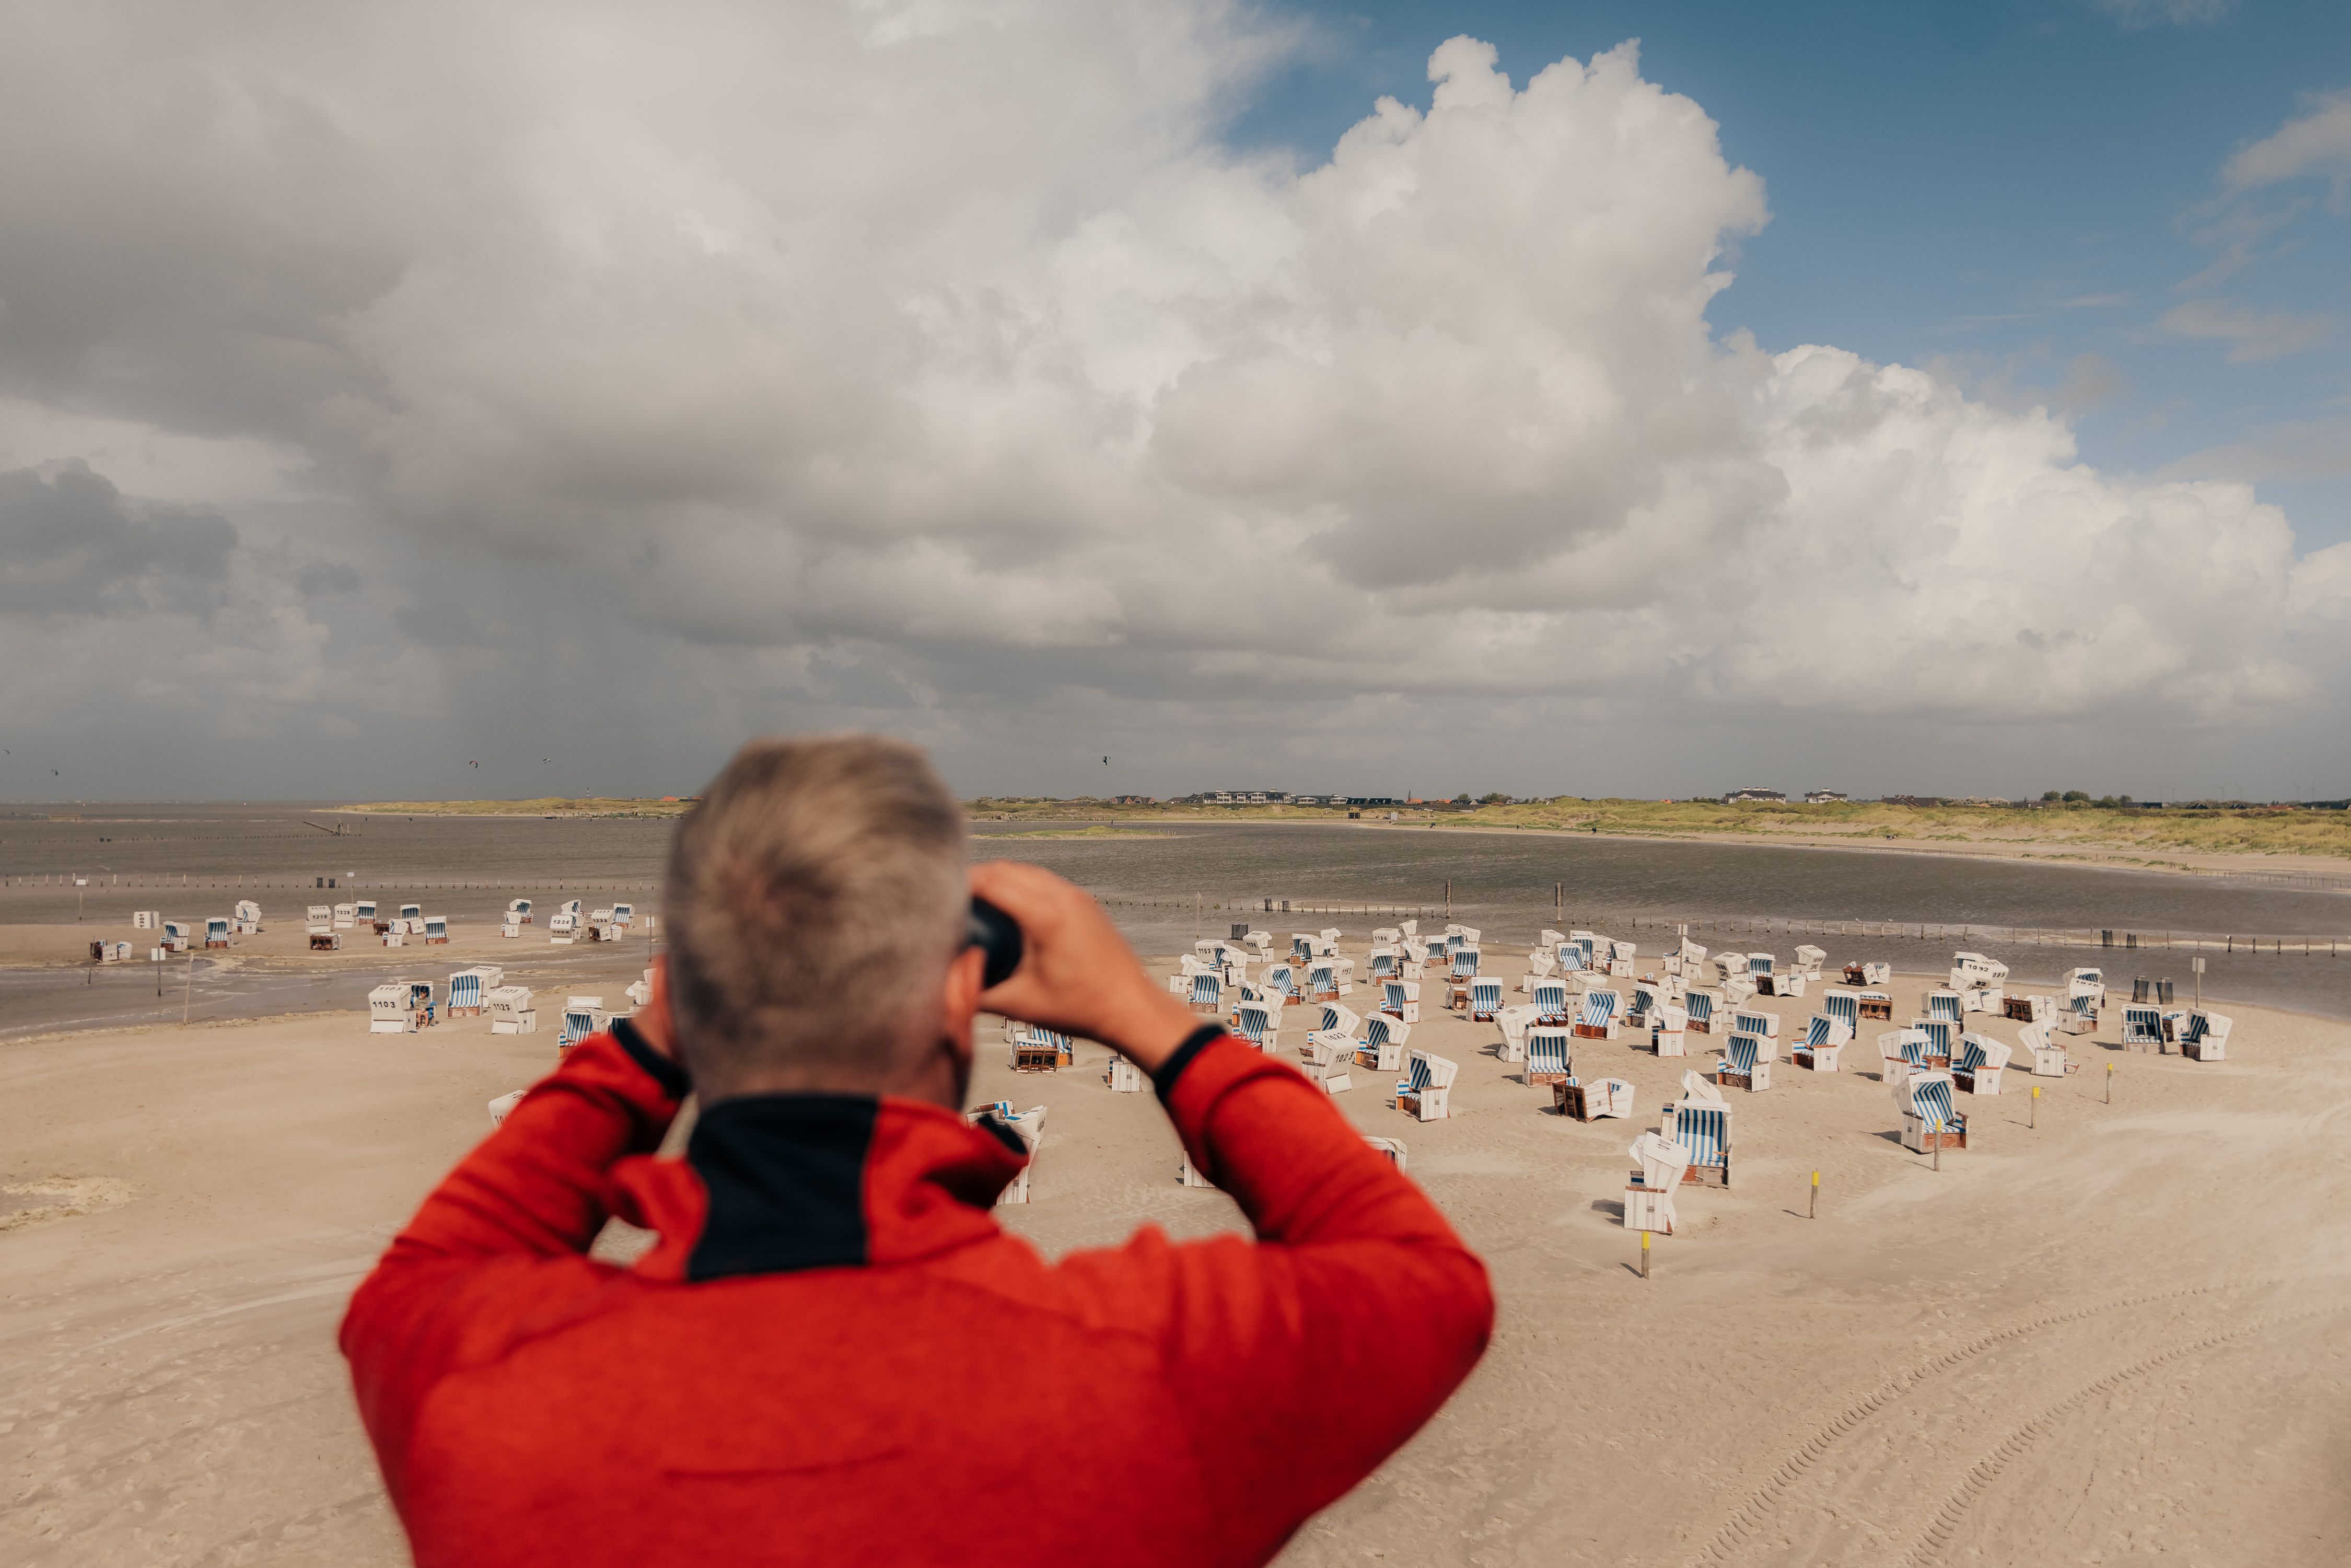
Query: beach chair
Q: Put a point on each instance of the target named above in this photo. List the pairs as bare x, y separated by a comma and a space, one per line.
1809, 960
1761, 963
1698, 1003
1382, 967
1254, 1022
1843, 1004
1701, 1123
1649, 995
1468, 934
1327, 1061
1323, 981
1596, 1015
2090, 982
1744, 1064
1659, 1166
437, 930
1392, 1147
1903, 1051
518, 911
582, 1016
1426, 1087
1125, 1077
2204, 1036
1746, 1020
1876, 1005
503, 1106
2026, 1009
1382, 1048
1485, 997
1867, 973
2142, 1027
1824, 1044
1387, 936
1737, 989
1946, 1004
1514, 1022
1942, 1037
1401, 1000
1462, 966
1928, 1122
1326, 942
467, 989
1339, 1023
2048, 1053
1207, 993
2079, 1014
1590, 1102
1783, 983
1570, 957
1550, 1056
1301, 947
1280, 979
388, 1009
1981, 1065
1685, 960
510, 1010
1412, 961
345, 914
1550, 1002
1668, 1029
1541, 965
216, 930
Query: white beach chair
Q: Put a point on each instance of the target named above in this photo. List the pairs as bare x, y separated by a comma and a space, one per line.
1687, 961
1700, 1123
1387, 936
2079, 1013
388, 1009
1550, 1002
1942, 1037
1928, 1122
510, 1009
1381, 967
1809, 960
1583, 1101
1668, 1031
1382, 1047
1427, 1086
1208, 990
1947, 1005
1824, 1044
1514, 1022
1327, 1061
1540, 966
1392, 1147
1981, 1065
1029, 1126
518, 911
2205, 1036
1868, 974
1401, 1000
1550, 1056
1659, 1166
1125, 1077
2142, 1027
2048, 1053
1485, 997
2027, 1009
503, 1106
1903, 1051
1698, 1003
1339, 1023
582, 1016
1754, 1022
2090, 982
1257, 1022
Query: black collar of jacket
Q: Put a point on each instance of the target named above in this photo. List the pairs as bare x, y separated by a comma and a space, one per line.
786, 1175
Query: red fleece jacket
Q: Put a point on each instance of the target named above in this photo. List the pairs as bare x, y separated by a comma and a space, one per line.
835, 1355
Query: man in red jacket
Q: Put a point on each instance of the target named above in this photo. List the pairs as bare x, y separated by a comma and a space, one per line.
833, 1355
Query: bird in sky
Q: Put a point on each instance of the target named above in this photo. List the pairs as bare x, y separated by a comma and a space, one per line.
1105, 762
473, 765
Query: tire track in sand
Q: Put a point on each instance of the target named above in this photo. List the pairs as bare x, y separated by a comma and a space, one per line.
1984, 1472
1746, 1519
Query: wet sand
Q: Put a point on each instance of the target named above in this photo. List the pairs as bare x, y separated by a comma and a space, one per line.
2123, 1333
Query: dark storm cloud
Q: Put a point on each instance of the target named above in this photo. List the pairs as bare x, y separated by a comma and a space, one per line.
70, 545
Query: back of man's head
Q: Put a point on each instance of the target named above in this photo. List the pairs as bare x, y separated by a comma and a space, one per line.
816, 896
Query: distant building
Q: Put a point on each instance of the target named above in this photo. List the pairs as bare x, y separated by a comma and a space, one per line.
1374, 801
1919, 800
1133, 801
1824, 797
1245, 797
1738, 795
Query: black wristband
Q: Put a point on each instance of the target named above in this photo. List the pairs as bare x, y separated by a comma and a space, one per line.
667, 1071
1163, 1078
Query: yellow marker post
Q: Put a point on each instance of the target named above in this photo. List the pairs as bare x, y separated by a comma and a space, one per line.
1645, 1254
1815, 1211
2110, 1083
2034, 1111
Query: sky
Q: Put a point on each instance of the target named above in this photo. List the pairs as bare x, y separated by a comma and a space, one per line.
1597, 398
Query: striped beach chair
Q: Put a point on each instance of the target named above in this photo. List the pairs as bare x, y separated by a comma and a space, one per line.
1463, 963
1280, 979
1703, 1128
1596, 1015
1947, 1005
1550, 1002
1485, 997
1928, 1121
1207, 993
1744, 1065
1550, 1055
1382, 965
1321, 980
1426, 1088
1843, 1004
1401, 1000
1981, 1063
1301, 947
2092, 982
1761, 963
1382, 1047
1823, 1045
2204, 1036
2142, 1027
1646, 996
1903, 1051
1698, 1003
1254, 1022
1942, 1036
2078, 1014
582, 1016
1747, 1020
1338, 1021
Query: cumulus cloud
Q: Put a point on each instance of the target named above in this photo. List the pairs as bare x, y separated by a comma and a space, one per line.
938, 360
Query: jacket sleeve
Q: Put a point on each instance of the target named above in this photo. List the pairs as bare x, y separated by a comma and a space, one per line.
527, 1201
1303, 1361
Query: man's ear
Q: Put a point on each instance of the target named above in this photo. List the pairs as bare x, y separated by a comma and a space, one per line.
959, 1000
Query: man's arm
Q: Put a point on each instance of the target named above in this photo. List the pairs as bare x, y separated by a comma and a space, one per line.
530, 1193
1304, 1360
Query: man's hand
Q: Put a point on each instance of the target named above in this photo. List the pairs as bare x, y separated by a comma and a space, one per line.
653, 1020
1077, 974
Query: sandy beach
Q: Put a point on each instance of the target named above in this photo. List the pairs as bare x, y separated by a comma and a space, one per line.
2121, 1333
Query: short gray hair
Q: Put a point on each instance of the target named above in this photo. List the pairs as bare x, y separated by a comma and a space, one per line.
815, 874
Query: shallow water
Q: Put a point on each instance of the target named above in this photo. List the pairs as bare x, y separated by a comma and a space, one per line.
136, 856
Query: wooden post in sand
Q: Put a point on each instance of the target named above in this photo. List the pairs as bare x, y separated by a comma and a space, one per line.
1645, 1254
2032, 1111
2110, 1083
1812, 1211
1938, 1149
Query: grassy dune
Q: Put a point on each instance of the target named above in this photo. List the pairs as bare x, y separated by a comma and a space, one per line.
549, 805
2150, 835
